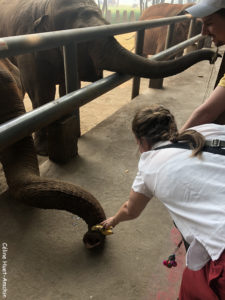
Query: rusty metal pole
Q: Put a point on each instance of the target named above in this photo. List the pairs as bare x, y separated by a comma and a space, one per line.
158, 83
190, 35
191, 28
139, 51
63, 134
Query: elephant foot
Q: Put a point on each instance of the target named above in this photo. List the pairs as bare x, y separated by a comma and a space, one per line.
41, 144
93, 239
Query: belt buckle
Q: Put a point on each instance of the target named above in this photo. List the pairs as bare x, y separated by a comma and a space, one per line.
215, 143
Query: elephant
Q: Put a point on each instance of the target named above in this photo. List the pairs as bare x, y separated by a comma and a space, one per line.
42, 71
21, 168
155, 38
165, 9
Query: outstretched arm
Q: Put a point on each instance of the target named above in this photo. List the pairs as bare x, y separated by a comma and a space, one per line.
209, 111
131, 209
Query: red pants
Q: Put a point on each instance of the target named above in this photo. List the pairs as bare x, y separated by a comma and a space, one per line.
205, 284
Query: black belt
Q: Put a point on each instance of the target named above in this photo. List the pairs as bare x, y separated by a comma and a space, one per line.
213, 146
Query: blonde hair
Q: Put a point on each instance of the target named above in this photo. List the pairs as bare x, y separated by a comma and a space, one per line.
155, 124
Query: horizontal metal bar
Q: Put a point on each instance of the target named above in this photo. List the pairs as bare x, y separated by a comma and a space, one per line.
15, 45
174, 49
16, 129
24, 125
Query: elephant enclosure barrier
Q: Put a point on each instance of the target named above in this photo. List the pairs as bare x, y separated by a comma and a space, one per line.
119, 16
59, 110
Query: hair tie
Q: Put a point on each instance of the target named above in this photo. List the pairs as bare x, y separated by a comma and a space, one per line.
174, 138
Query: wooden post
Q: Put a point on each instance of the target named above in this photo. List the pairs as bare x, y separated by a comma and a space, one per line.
125, 19
132, 16
108, 16
117, 19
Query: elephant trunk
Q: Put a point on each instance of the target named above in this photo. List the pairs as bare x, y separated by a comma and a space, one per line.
25, 185
21, 168
114, 57
51, 194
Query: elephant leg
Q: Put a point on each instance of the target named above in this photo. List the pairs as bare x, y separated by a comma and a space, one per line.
179, 54
62, 89
47, 93
40, 86
63, 135
76, 113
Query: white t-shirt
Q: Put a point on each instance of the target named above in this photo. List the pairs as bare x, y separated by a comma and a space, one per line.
193, 190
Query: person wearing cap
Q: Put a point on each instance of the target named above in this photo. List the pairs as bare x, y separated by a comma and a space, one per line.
212, 13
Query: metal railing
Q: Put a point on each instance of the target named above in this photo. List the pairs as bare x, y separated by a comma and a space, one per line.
16, 129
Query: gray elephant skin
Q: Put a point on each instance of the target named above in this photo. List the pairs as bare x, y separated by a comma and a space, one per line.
21, 169
154, 41
42, 71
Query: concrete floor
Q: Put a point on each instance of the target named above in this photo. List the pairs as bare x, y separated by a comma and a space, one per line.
46, 259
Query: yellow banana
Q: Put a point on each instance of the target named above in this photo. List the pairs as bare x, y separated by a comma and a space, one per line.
100, 228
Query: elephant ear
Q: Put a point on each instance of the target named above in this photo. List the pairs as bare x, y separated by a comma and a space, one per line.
183, 8
41, 24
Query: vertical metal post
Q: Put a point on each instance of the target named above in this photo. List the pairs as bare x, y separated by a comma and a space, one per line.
141, 7
169, 36
158, 83
63, 134
200, 44
71, 67
191, 34
191, 28
72, 82
139, 51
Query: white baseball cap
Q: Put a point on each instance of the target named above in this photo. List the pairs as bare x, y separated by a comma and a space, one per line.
205, 8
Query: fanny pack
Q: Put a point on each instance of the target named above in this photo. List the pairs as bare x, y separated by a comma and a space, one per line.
214, 146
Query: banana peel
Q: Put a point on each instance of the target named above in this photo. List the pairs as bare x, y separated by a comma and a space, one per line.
100, 228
